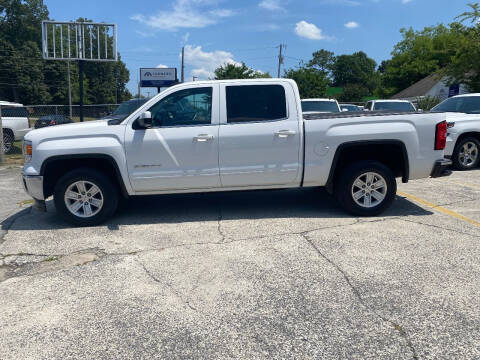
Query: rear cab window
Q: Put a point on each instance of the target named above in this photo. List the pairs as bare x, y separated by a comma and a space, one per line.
254, 103
14, 112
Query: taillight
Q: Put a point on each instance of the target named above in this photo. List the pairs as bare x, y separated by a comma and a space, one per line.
441, 136
52, 122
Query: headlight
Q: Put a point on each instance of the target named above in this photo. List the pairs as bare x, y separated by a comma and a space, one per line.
27, 151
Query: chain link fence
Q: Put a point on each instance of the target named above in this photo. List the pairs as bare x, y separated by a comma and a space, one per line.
90, 112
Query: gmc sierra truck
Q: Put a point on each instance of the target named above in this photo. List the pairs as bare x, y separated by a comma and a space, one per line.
230, 135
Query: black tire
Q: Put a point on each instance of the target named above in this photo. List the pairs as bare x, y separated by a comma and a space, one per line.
344, 188
109, 193
458, 159
8, 140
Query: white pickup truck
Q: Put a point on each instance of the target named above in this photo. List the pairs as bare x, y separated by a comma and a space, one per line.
230, 135
463, 140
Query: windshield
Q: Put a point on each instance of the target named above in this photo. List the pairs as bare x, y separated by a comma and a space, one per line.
394, 106
465, 104
128, 107
350, 107
320, 106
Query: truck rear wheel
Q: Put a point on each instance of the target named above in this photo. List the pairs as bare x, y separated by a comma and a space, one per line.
85, 197
466, 154
366, 188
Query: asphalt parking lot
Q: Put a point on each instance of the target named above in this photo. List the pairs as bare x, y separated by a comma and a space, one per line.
258, 275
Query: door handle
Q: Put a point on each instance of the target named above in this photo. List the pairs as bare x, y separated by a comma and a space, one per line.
203, 137
285, 133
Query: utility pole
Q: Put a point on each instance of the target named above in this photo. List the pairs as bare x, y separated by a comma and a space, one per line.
69, 89
280, 60
194, 78
183, 64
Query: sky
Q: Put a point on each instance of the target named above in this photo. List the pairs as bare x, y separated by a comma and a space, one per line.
151, 33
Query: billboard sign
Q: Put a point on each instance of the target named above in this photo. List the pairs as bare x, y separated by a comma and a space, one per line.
158, 77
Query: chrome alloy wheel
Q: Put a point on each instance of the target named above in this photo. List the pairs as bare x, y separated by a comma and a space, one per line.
468, 154
84, 199
369, 190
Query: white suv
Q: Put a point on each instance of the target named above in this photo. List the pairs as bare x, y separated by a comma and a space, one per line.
15, 124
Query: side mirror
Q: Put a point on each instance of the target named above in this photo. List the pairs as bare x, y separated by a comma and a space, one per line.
145, 120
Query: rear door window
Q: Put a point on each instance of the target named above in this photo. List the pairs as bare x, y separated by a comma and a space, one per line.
253, 103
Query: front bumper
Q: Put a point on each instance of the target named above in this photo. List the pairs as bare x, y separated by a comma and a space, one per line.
441, 168
33, 185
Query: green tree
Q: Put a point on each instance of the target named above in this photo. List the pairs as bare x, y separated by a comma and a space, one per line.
427, 103
357, 68
323, 61
24, 75
463, 66
420, 54
311, 83
473, 15
354, 93
235, 71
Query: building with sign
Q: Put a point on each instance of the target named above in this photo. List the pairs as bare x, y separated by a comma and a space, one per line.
431, 86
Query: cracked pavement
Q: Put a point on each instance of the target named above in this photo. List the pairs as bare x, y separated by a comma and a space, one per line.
267, 274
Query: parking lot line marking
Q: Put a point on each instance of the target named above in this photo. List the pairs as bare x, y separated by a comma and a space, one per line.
439, 208
473, 186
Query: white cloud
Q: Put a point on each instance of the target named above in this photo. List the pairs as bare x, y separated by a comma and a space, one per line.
222, 13
350, 2
272, 5
204, 63
352, 25
185, 14
309, 31
161, 66
185, 37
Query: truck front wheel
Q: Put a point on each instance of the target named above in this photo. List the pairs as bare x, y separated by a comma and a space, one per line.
366, 188
85, 197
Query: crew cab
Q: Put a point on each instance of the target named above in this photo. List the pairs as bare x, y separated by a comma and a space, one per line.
230, 135
463, 141
15, 124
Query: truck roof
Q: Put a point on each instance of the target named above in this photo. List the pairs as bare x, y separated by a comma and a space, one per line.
235, 81
392, 100
468, 95
11, 104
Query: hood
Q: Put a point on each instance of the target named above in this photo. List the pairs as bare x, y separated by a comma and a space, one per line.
115, 117
68, 130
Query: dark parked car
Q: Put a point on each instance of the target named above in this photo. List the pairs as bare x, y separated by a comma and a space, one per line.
125, 109
51, 120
